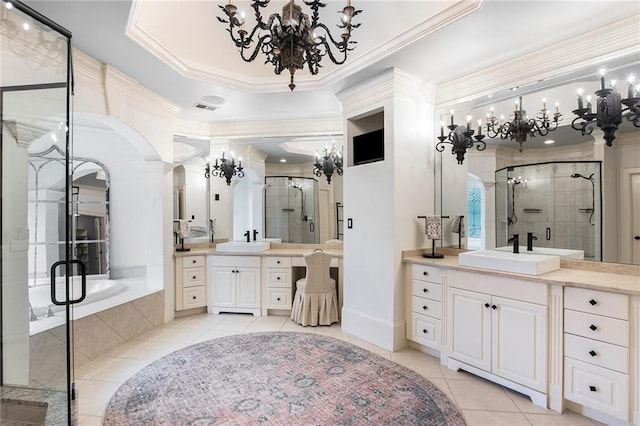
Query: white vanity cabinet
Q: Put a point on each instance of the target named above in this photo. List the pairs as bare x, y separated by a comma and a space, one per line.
425, 325
596, 350
499, 332
190, 282
277, 285
234, 284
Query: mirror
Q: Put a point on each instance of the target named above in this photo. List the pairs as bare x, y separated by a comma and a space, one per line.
482, 188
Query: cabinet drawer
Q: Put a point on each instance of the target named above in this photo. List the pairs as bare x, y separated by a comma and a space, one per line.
278, 277
592, 351
193, 261
427, 290
606, 329
193, 276
279, 298
426, 307
427, 273
597, 388
234, 261
426, 330
194, 297
597, 302
277, 262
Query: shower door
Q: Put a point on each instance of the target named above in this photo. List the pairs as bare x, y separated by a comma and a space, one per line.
292, 209
36, 258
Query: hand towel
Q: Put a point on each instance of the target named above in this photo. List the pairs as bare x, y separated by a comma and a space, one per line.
433, 228
184, 229
458, 226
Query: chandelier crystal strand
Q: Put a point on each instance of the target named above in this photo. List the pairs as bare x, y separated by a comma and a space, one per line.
461, 138
328, 163
291, 39
521, 126
225, 168
610, 109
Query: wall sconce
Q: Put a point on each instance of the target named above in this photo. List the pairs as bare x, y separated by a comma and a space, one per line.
461, 138
225, 169
522, 126
331, 161
609, 110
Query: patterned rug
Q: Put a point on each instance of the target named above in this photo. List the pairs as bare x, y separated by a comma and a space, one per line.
278, 379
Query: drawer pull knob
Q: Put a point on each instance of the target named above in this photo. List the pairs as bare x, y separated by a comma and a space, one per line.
425, 331
593, 302
278, 278
486, 305
425, 290
194, 277
593, 388
593, 327
425, 273
278, 299
194, 297
194, 261
593, 353
277, 262
494, 307
425, 308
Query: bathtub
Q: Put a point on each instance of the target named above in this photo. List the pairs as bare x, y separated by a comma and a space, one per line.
97, 289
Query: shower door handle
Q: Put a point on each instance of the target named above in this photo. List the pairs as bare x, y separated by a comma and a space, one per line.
83, 275
312, 227
548, 234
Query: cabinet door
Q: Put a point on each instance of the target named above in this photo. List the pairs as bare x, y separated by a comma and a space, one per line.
519, 342
224, 289
469, 318
248, 288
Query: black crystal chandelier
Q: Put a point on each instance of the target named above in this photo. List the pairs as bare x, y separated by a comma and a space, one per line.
461, 138
521, 125
225, 168
609, 109
292, 39
328, 163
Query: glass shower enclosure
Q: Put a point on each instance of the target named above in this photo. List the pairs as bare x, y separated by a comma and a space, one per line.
292, 209
560, 202
35, 109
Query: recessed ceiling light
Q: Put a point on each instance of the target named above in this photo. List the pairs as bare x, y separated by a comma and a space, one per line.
26, 26
283, 160
549, 141
8, 5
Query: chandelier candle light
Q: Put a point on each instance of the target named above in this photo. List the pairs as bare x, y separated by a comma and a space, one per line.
609, 110
292, 39
331, 161
225, 169
521, 125
461, 138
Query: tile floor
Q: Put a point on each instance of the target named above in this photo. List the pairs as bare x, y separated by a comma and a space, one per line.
481, 402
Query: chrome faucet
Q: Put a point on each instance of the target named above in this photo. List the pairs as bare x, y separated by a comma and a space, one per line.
255, 234
516, 243
530, 238
248, 235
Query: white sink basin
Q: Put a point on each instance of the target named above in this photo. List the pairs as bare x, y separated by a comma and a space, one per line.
566, 253
243, 246
521, 263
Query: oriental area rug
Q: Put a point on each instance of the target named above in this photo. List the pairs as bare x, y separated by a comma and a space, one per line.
278, 378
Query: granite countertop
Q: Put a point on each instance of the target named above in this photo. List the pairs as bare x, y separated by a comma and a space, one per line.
277, 250
616, 278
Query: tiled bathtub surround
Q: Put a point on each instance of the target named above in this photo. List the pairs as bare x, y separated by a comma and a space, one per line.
94, 335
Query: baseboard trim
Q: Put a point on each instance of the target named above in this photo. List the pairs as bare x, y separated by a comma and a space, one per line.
390, 336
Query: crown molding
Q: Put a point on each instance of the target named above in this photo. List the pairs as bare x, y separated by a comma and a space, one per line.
276, 128
593, 48
306, 82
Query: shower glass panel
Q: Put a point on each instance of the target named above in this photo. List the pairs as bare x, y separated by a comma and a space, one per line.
292, 209
35, 92
560, 202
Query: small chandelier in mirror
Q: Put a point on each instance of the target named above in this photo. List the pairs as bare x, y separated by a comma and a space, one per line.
461, 138
609, 109
328, 163
521, 125
224, 168
291, 39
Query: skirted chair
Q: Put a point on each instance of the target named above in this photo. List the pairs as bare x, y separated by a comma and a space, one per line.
316, 299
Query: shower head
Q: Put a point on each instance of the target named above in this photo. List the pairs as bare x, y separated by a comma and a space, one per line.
296, 186
578, 175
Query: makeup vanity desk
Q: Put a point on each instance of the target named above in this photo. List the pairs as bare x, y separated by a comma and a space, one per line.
258, 283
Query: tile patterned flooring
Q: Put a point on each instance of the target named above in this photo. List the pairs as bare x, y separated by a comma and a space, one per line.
481, 402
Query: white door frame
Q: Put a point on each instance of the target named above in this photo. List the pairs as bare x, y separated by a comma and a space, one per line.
625, 245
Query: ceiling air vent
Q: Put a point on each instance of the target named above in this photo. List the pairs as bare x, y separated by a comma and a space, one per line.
209, 103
